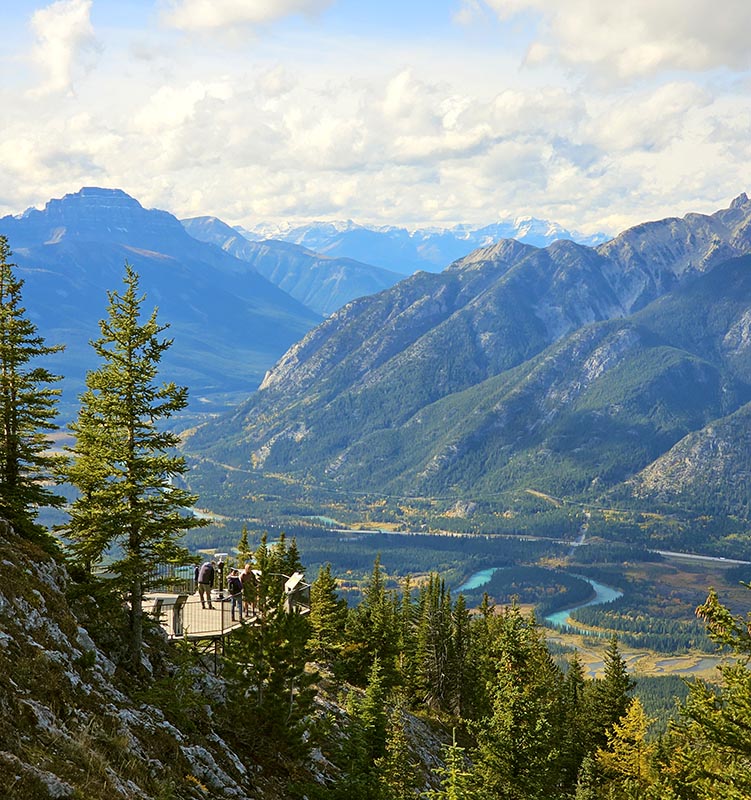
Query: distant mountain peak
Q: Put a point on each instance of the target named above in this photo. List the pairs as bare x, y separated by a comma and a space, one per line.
740, 201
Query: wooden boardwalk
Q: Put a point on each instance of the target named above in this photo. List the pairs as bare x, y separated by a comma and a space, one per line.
182, 617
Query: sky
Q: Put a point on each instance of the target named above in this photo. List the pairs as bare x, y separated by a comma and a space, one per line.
594, 115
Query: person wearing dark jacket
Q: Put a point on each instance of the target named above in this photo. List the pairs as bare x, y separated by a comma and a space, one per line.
206, 582
235, 589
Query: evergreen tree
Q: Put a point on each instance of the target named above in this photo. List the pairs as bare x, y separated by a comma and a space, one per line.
461, 669
365, 743
372, 631
407, 642
434, 643
395, 769
518, 754
573, 744
244, 553
123, 463
328, 617
270, 691
608, 698
711, 743
27, 410
456, 779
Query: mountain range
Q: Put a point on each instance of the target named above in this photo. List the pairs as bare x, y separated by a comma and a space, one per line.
621, 370
229, 323
406, 251
322, 283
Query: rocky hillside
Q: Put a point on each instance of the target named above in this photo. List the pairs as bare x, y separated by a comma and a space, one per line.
322, 283
566, 369
76, 724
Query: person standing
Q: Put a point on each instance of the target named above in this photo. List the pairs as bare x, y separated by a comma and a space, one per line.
206, 582
235, 589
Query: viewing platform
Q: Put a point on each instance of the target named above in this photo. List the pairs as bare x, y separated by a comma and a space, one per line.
182, 616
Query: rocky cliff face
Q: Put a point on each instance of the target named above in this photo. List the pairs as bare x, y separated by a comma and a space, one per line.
70, 725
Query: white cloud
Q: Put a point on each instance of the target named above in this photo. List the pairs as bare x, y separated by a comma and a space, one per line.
639, 37
198, 15
307, 124
64, 37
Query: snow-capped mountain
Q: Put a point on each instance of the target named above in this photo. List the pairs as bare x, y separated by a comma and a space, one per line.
405, 251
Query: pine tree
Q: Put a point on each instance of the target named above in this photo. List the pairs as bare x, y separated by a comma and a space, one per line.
270, 691
123, 463
462, 673
711, 744
518, 755
365, 743
328, 616
407, 642
456, 779
608, 698
244, 553
373, 631
573, 745
27, 411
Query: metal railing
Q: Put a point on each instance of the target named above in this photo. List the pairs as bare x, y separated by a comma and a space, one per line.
182, 614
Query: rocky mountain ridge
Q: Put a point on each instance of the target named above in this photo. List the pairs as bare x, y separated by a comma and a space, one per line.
567, 368
229, 323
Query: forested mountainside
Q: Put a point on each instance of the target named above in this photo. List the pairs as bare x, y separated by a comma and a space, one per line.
229, 323
566, 369
407, 695
322, 283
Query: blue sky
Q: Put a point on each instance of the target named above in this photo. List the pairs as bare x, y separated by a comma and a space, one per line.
596, 116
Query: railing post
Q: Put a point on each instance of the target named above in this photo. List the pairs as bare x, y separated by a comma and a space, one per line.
177, 615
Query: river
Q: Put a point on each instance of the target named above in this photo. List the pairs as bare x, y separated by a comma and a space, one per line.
603, 594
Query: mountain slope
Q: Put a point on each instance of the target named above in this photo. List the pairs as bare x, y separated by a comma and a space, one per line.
229, 323
567, 368
323, 284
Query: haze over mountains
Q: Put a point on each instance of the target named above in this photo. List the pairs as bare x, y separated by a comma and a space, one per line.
233, 309
580, 371
621, 370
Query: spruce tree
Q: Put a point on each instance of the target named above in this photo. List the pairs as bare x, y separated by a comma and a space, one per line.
373, 631
27, 411
518, 755
456, 778
396, 768
244, 553
123, 462
608, 698
711, 743
328, 616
